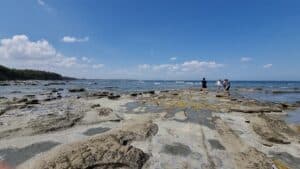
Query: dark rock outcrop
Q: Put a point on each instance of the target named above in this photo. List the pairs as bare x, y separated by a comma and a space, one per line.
33, 101
149, 92
76, 90
113, 97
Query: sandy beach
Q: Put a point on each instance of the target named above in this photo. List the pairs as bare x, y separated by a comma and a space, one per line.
152, 129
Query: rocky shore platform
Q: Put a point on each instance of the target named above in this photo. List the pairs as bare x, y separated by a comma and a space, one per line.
171, 129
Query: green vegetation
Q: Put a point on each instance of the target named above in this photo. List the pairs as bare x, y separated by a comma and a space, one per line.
26, 74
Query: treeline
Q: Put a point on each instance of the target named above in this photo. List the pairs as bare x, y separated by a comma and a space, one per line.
27, 74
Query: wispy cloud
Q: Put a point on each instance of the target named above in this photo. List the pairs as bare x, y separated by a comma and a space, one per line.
41, 2
173, 58
191, 69
86, 59
70, 39
187, 66
246, 59
268, 65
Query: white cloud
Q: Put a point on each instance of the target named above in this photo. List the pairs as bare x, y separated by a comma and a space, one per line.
41, 2
144, 66
188, 66
20, 52
192, 69
173, 58
86, 59
195, 65
268, 65
20, 49
246, 59
70, 39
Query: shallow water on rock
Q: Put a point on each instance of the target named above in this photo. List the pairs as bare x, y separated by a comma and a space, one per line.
94, 131
293, 117
177, 149
15, 156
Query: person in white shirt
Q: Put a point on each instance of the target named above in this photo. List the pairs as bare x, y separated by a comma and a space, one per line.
219, 85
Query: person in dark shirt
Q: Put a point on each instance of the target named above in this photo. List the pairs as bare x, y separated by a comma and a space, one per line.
204, 85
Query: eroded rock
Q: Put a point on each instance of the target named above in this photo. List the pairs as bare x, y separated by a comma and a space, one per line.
255, 109
53, 122
107, 151
104, 111
272, 130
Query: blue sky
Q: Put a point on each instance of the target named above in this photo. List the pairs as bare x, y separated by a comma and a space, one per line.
153, 39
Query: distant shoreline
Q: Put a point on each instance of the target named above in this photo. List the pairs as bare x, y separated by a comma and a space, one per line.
7, 74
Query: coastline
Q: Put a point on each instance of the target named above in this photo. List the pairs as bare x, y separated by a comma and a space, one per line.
180, 128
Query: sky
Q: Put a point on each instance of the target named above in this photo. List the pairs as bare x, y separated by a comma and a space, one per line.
153, 39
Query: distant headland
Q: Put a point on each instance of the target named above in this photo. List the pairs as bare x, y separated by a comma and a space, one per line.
28, 74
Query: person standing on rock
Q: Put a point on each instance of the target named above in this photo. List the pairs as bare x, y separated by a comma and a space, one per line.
219, 85
204, 85
226, 85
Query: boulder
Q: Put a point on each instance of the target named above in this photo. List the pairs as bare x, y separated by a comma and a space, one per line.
285, 91
225, 95
3, 98
95, 105
133, 94
33, 101
54, 90
100, 94
149, 92
104, 111
50, 98
14, 92
76, 90
113, 97
29, 96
